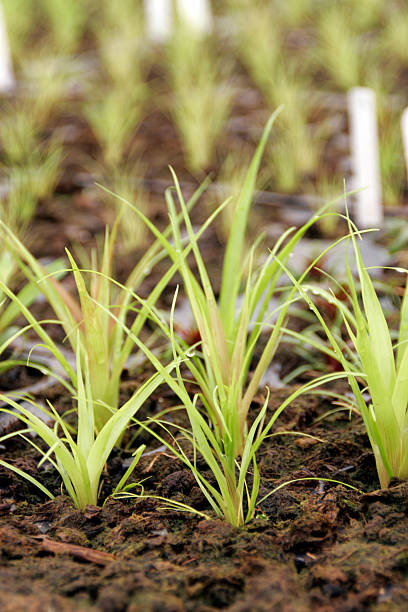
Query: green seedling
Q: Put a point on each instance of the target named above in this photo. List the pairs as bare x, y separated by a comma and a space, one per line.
392, 164
219, 363
66, 22
293, 152
381, 367
201, 95
103, 344
127, 182
230, 181
78, 459
19, 17
385, 374
339, 47
114, 119
26, 185
121, 45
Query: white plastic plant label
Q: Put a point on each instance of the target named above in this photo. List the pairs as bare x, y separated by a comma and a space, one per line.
7, 80
404, 130
159, 19
197, 13
365, 156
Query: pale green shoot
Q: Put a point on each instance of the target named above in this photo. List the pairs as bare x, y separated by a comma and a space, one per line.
201, 95
66, 21
383, 368
87, 320
80, 460
339, 47
386, 376
114, 118
220, 363
221, 366
231, 498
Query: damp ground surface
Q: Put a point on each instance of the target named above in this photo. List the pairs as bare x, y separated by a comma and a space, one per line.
313, 545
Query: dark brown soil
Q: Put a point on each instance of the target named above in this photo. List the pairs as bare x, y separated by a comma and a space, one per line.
313, 545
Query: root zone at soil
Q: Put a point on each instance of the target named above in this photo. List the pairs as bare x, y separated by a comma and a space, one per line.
312, 544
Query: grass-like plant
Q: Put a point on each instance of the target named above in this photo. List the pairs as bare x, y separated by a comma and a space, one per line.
114, 118
339, 47
127, 182
9, 309
393, 37
86, 324
201, 96
25, 186
122, 48
381, 366
19, 17
19, 134
263, 59
282, 79
392, 164
34, 181
87, 319
79, 458
66, 22
219, 363
116, 112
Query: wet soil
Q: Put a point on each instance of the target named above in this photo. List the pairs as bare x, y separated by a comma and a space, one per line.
313, 545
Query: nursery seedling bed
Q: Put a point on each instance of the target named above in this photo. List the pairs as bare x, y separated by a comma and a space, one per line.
312, 546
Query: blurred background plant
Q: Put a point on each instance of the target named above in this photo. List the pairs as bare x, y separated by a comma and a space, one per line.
89, 60
117, 96
201, 94
127, 182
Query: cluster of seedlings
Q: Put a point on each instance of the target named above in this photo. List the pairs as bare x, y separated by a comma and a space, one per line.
203, 369
107, 85
237, 336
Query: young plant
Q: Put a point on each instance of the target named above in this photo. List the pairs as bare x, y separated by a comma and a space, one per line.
25, 186
19, 134
381, 366
385, 368
20, 22
392, 164
87, 321
127, 182
125, 57
66, 22
216, 436
293, 152
339, 50
229, 182
114, 119
201, 96
87, 326
219, 363
80, 458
